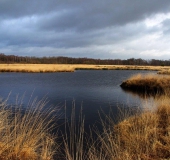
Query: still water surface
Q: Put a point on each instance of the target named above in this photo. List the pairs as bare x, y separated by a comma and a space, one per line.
93, 90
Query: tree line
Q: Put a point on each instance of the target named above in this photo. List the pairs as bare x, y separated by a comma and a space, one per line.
9, 59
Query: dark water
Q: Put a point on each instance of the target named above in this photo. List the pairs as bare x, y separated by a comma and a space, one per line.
93, 90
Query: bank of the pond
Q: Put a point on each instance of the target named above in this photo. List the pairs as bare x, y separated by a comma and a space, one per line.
41, 68
164, 71
148, 84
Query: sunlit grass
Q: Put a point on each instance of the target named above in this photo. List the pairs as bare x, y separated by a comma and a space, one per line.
41, 68
25, 132
143, 135
149, 83
165, 71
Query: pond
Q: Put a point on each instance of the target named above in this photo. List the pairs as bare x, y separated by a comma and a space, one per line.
94, 91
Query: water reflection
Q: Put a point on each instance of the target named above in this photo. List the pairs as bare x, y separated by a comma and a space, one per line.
142, 94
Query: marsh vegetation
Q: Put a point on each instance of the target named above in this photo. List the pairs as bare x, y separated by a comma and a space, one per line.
147, 84
43, 68
25, 133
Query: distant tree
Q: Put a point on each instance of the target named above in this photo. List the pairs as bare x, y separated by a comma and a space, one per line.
70, 60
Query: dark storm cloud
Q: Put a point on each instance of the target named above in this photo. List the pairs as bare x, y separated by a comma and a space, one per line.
78, 27
70, 39
83, 14
18, 8
100, 14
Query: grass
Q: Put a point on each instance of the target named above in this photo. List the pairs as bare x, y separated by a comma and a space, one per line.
142, 136
41, 68
150, 84
26, 136
164, 71
74, 140
35, 68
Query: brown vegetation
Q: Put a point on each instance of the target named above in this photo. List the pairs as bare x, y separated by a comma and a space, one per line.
40, 68
164, 71
142, 136
148, 84
26, 136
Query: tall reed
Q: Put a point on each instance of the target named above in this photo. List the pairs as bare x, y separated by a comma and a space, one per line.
25, 132
74, 135
145, 135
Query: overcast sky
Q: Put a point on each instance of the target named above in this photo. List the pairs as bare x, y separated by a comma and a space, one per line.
86, 28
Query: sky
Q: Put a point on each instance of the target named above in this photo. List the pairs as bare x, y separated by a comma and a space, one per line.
105, 29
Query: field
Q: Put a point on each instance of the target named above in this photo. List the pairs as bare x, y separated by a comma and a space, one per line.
71, 68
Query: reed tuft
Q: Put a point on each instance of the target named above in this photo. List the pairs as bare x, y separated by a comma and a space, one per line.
25, 132
148, 84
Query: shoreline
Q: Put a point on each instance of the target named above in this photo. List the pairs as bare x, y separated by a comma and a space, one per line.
147, 84
45, 68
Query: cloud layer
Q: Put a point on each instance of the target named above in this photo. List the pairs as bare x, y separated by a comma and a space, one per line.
97, 29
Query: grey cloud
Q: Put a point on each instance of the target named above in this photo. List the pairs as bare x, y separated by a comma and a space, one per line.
76, 27
18, 8
72, 39
83, 15
99, 14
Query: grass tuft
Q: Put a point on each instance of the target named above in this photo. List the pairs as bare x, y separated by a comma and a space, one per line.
147, 84
141, 136
25, 134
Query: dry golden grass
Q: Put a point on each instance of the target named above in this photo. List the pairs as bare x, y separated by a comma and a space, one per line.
71, 68
35, 68
164, 71
142, 136
26, 136
145, 136
74, 140
150, 83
